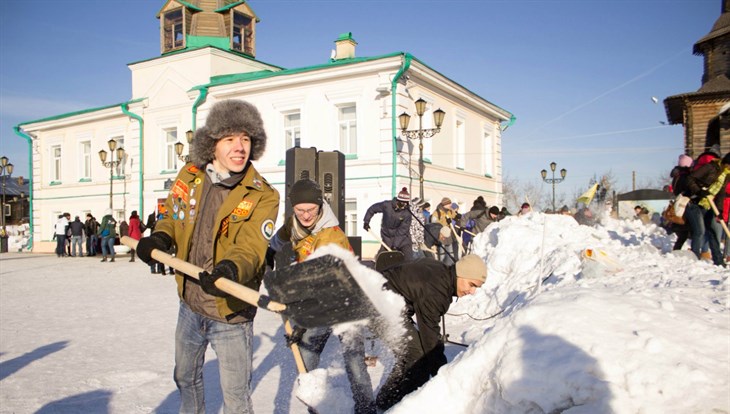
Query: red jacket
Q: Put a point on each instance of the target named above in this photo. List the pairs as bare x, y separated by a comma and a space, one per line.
134, 230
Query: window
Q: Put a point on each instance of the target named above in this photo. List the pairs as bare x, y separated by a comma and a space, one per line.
85, 167
173, 35
170, 139
242, 36
351, 225
56, 163
113, 157
460, 155
292, 129
488, 154
347, 125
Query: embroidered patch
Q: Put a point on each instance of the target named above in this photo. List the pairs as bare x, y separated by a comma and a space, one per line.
243, 208
267, 229
180, 190
257, 183
193, 169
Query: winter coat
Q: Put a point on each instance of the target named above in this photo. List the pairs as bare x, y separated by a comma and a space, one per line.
707, 179
135, 231
480, 216
91, 226
123, 229
427, 286
395, 228
241, 229
77, 228
725, 213
108, 223
326, 231
679, 180
60, 227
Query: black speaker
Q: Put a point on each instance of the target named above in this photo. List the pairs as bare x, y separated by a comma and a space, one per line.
300, 163
331, 177
356, 244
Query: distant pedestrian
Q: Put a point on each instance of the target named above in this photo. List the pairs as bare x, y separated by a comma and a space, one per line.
59, 232
91, 226
135, 230
395, 227
77, 234
108, 234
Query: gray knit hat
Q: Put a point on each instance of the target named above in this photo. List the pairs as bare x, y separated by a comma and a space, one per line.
471, 266
227, 118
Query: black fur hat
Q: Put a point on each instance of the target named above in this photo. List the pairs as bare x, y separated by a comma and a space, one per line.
227, 118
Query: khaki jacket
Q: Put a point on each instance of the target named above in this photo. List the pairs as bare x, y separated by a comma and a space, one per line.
243, 227
329, 235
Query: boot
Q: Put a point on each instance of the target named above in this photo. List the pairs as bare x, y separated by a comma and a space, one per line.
132, 254
104, 259
112, 259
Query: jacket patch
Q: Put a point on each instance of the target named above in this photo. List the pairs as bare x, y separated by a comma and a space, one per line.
267, 229
243, 209
180, 191
193, 169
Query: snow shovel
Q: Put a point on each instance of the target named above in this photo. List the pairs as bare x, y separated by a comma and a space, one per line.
318, 292
388, 258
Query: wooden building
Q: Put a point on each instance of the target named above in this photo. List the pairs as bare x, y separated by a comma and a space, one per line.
705, 113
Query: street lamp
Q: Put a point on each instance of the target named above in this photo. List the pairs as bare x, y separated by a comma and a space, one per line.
553, 180
179, 147
420, 133
111, 164
6, 170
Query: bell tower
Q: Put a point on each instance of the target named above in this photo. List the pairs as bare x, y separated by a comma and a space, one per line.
225, 24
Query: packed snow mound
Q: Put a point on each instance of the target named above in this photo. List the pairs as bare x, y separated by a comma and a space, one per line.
636, 328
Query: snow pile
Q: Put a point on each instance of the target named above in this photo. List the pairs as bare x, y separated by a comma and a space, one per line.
651, 334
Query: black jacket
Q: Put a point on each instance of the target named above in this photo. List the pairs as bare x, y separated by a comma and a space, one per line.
700, 179
395, 228
427, 286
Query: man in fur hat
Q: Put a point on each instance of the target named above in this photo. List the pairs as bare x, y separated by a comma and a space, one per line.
220, 215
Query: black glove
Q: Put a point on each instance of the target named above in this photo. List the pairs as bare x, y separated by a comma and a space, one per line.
159, 241
296, 336
224, 268
702, 194
366, 226
270, 262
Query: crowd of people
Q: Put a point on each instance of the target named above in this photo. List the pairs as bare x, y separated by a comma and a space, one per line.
75, 238
702, 205
221, 217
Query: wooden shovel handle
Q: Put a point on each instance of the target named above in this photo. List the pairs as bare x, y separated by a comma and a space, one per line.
717, 213
372, 233
234, 289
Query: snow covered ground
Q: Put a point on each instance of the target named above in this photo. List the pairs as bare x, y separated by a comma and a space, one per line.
640, 330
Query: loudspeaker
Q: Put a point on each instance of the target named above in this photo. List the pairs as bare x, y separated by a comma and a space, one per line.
356, 244
300, 163
331, 177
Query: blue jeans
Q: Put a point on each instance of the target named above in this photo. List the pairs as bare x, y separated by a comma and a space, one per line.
232, 344
353, 352
701, 221
60, 245
107, 246
76, 241
91, 244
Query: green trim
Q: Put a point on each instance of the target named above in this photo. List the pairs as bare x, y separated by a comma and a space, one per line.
189, 5
460, 168
125, 111
427, 161
202, 41
168, 172
281, 163
81, 112
350, 156
199, 101
80, 196
370, 242
488, 175
263, 74
55, 183
28, 140
85, 180
394, 131
118, 177
345, 36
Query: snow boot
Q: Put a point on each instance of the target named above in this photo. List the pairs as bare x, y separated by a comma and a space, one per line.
112, 259
104, 259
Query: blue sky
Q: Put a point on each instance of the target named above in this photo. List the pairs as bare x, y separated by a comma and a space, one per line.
579, 75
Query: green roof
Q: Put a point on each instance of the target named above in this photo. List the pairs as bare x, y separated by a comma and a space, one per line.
81, 112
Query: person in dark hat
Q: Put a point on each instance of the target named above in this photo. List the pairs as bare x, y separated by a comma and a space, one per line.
428, 299
312, 226
220, 216
395, 228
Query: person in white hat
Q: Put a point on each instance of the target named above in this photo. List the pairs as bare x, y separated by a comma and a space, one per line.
427, 287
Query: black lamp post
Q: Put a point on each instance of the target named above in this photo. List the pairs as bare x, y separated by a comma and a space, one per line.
111, 164
553, 180
179, 146
6, 170
420, 133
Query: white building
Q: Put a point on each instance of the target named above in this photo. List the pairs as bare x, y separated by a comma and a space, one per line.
350, 104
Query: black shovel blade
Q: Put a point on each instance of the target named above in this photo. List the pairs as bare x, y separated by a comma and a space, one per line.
319, 292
